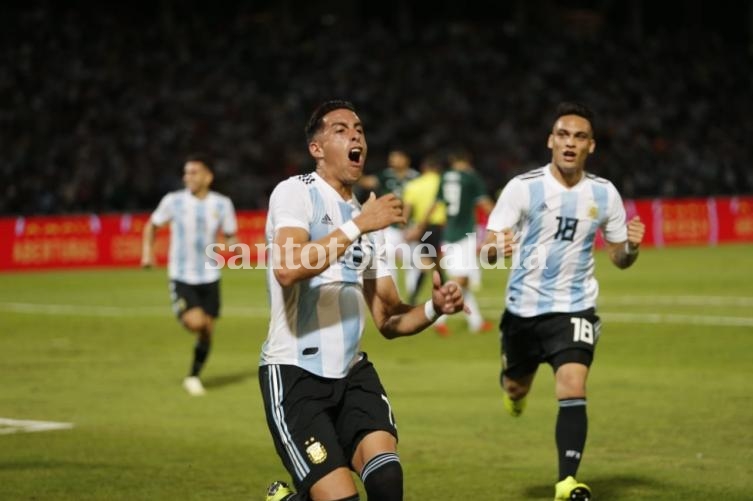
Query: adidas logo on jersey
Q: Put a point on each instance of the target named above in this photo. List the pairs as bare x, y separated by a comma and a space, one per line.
327, 220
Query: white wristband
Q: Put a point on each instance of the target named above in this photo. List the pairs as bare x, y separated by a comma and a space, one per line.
351, 230
429, 310
630, 251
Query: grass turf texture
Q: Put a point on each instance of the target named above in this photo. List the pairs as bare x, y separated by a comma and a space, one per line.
669, 398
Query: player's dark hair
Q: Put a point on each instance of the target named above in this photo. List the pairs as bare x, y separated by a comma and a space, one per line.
201, 158
459, 154
575, 108
315, 122
432, 161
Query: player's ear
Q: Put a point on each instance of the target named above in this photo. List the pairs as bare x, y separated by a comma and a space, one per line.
315, 150
592, 146
550, 141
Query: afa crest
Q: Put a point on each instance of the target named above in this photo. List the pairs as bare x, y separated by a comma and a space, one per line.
315, 450
593, 212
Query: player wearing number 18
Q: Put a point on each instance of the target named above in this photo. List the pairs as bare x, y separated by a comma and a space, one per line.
550, 314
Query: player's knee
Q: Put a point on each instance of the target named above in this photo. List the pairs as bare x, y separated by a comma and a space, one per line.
195, 320
514, 389
382, 476
517, 392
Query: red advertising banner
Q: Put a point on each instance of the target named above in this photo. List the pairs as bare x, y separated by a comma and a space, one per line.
112, 240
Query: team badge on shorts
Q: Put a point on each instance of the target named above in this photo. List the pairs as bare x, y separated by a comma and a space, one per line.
316, 452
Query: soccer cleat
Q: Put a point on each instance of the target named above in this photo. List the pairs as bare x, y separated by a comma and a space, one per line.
442, 330
514, 407
193, 386
278, 491
486, 326
571, 489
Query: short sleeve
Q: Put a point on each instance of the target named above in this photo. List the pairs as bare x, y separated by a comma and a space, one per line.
229, 223
510, 207
289, 206
164, 211
614, 228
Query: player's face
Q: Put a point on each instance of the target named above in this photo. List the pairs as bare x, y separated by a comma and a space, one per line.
398, 160
196, 177
341, 144
571, 141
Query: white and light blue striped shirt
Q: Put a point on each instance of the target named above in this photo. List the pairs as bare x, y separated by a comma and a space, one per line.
553, 268
194, 224
317, 323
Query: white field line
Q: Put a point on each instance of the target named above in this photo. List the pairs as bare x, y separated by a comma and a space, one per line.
8, 426
730, 301
487, 304
672, 318
116, 311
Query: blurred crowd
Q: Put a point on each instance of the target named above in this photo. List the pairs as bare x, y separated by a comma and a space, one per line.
98, 109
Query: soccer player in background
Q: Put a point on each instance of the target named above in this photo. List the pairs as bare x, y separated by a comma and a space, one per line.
196, 216
461, 191
547, 220
418, 198
393, 179
325, 405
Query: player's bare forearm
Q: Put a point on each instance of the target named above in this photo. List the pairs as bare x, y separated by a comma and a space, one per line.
232, 240
391, 316
406, 320
296, 258
497, 243
624, 254
395, 319
147, 245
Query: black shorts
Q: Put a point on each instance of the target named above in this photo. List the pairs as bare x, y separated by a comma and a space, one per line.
554, 338
434, 239
186, 296
316, 422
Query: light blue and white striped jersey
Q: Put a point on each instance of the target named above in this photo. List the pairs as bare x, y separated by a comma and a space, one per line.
556, 227
194, 224
317, 323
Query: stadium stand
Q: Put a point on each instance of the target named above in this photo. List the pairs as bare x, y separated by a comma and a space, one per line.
98, 107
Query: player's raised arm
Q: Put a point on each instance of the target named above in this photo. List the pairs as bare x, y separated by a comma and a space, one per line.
624, 254
297, 258
394, 318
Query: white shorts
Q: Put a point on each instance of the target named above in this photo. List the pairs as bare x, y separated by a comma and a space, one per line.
393, 236
459, 258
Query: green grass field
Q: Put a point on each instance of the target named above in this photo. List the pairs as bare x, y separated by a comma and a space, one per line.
669, 406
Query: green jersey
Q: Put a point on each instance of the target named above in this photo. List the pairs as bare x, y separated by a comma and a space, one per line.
389, 182
460, 191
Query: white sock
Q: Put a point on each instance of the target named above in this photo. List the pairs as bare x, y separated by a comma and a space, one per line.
475, 319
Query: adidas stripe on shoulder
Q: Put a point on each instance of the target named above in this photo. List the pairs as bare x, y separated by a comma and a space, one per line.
594, 177
531, 174
307, 178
